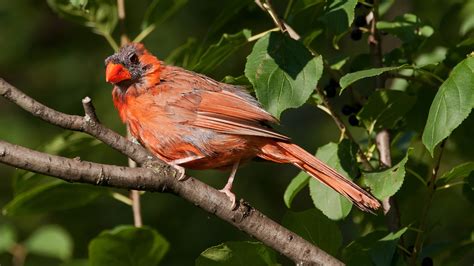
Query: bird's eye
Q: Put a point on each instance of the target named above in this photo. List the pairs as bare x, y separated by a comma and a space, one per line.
133, 58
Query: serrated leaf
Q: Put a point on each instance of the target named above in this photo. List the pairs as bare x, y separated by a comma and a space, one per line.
50, 241
384, 109
316, 228
220, 51
237, 254
283, 72
339, 15
52, 196
127, 245
295, 186
342, 159
350, 78
7, 237
452, 104
375, 248
386, 183
160, 10
461, 170
407, 28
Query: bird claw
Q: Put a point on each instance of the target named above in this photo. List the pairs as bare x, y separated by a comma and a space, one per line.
231, 197
181, 172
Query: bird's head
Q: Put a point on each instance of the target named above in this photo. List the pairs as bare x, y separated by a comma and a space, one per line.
132, 64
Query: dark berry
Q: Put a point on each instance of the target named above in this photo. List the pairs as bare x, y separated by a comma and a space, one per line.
427, 261
360, 21
330, 91
333, 83
353, 121
356, 34
347, 110
357, 107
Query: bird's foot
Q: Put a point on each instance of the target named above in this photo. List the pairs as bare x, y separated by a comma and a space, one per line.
181, 172
231, 197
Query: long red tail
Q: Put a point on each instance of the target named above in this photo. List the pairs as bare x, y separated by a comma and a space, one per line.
284, 152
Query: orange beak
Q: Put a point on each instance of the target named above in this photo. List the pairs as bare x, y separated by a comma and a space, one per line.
114, 73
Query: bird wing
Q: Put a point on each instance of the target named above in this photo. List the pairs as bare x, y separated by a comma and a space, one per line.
224, 108
231, 113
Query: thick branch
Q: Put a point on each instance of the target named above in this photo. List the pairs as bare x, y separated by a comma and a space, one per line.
161, 177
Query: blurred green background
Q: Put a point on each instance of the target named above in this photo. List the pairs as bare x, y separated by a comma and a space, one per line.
59, 62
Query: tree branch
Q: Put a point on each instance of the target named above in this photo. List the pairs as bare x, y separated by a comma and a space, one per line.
157, 176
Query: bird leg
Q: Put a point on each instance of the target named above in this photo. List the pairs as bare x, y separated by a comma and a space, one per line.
176, 164
228, 186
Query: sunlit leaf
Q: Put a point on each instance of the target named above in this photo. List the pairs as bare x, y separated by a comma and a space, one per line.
128, 246
451, 105
350, 78
384, 109
283, 72
237, 254
296, 185
462, 170
316, 228
342, 158
50, 241
386, 183
407, 28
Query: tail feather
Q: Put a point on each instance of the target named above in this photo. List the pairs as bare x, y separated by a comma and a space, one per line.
284, 152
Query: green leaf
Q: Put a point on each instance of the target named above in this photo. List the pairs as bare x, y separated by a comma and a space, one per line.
229, 10
220, 51
342, 159
160, 10
407, 28
7, 237
35, 193
384, 109
52, 196
313, 226
101, 15
237, 254
350, 78
376, 248
128, 245
461, 170
283, 72
339, 15
295, 186
386, 183
451, 105
50, 241
240, 80
76, 262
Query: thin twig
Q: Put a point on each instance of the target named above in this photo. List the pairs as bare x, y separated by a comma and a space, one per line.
134, 194
266, 6
121, 16
424, 214
390, 206
157, 177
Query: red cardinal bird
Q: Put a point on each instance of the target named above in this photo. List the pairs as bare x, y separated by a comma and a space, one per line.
192, 121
